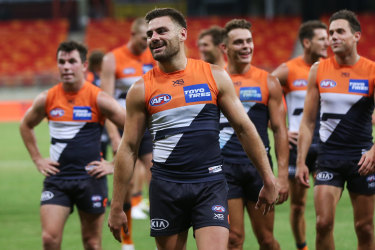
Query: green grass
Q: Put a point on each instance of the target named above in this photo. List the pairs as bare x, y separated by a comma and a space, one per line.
21, 185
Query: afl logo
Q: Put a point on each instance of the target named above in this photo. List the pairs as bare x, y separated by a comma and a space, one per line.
324, 176
160, 100
218, 209
371, 178
159, 224
300, 83
57, 112
327, 84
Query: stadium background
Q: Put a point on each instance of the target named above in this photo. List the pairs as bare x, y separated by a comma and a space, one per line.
30, 31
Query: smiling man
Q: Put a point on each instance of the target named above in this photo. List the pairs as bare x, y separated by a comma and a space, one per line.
75, 110
210, 45
344, 86
179, 100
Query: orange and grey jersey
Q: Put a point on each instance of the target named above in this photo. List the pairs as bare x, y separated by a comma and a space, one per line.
295, 93
184, 122
75, 125
347, 103
252, 89
129, 69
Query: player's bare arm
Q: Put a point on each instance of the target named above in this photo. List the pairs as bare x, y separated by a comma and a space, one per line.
281, 73
278, 126
107, 83
126, 156
367, 162
111, 109
246, 132
32, 118
307, 126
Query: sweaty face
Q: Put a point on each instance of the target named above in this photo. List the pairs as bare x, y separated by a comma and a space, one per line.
319, 43
70, 67
341, 38
207, 49
240, 46
140, 39
162, 38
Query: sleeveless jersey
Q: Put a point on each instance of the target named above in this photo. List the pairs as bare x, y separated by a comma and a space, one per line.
129, 69
347, 103
75, 125
93, 77
184, 123
295, 93
252, 89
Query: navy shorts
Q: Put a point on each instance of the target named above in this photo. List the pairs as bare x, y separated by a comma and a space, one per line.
145, 146
337, 172
243, 181
175, 207
311, 160
89, 195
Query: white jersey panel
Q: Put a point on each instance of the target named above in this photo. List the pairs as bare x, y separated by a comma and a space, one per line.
295, 101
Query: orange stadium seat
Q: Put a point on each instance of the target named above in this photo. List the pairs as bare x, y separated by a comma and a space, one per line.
29, 49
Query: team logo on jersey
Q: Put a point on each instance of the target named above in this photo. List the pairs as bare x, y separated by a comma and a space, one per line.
57, 112
358, 86
324, 176
159, 224
300, 83
178, 82
129, 71
160, 100
218, 208
327, 84
82, 113
250, 94
146, 67
197, 93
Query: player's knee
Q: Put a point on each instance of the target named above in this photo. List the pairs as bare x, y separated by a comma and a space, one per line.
324, 225
268, 242
236, 239
50, 241
364, 230
91, 243
297, 209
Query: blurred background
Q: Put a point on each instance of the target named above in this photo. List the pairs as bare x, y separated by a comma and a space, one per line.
30, 31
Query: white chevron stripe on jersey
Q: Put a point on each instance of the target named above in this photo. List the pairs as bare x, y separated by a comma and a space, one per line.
62, 130
295, 101
334, 104
163, 148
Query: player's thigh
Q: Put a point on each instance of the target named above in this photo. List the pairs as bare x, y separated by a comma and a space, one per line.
326, 198
236, 216
53, 218
91, 224
298, 193
363, 208
212, 238
176, 241
262, 224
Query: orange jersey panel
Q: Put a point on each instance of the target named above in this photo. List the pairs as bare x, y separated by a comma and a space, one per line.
298, 72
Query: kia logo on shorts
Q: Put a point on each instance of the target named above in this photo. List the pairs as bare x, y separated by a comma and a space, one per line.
159, 224
46, 195
327, 83
324, 176
218, 208
160, 100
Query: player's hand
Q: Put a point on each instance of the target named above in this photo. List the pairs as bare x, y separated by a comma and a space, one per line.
284, 189
268, 196
47, 167
292, 138
367, 163
302, 175
117, 219
99, 169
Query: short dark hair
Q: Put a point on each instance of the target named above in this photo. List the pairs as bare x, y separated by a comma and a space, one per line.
237, 24
69, 46
95, 60
349, 16
216, 32
174, 14
306, 30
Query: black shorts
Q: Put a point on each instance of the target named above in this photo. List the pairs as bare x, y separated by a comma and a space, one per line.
337, 172
243, 181
89, 195
311, 160
175, 207
146, 144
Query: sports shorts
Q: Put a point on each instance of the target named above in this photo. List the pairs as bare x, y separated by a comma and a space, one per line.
175, 207
311, 160
89, 195
243, 181
337, 172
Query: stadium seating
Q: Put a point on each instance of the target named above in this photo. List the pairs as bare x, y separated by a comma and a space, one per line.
28, 50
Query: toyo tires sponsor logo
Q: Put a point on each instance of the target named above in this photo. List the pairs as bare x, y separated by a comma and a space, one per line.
324, 176
160, 100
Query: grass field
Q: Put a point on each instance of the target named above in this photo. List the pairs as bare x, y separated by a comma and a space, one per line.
20, 189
